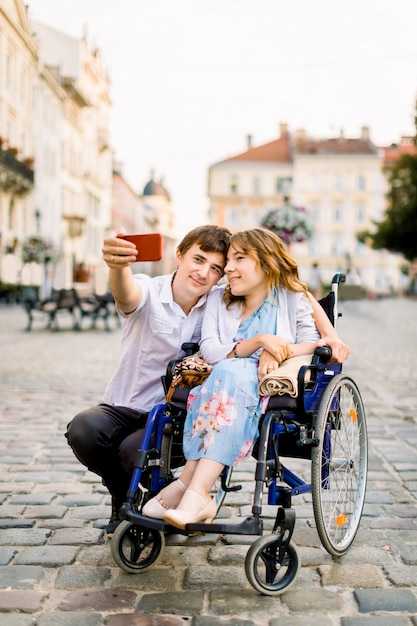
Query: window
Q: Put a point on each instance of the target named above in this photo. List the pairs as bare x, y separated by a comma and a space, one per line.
361, 183
336, 246
314, 212
233, 183
284, 184
8, 72
314, 182
11, 215
338, 183
360, 249
23, 84
257, 186
232, 218
337, 213
313, 247
253, 219
360, 213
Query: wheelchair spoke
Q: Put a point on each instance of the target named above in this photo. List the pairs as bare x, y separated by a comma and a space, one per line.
136, 548
269, 567
137, 539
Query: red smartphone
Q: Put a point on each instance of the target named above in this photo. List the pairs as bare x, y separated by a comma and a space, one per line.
149, 247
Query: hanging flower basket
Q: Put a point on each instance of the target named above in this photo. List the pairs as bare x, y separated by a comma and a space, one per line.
38, 250
289, 222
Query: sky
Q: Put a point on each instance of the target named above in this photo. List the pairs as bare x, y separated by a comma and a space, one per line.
190, 79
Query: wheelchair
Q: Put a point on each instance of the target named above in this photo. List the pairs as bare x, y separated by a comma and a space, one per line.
325, 424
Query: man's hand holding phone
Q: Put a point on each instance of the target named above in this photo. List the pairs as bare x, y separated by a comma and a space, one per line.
124, 250
149, 246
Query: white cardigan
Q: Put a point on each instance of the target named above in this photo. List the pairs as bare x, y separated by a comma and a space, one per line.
295, 323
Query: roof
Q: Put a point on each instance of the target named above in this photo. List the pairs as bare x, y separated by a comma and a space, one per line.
277, 151
338, 145
280, 150
152, 188
396, 150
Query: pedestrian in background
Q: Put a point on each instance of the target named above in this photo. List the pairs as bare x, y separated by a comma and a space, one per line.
315, 283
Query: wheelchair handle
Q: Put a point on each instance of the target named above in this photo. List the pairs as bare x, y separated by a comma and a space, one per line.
189, 348
324, 353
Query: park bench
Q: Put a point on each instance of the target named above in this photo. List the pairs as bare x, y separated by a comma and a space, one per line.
95, 307
69, 302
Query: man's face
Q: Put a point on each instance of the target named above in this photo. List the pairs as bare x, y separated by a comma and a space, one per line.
198, 271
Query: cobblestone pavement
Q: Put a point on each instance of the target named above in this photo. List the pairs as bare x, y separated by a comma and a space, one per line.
56, 564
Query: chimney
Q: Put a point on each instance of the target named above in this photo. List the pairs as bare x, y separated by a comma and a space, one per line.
365, 133
283, 129
249, 141
300, 134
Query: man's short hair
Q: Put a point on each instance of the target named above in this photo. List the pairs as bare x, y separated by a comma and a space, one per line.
210, 238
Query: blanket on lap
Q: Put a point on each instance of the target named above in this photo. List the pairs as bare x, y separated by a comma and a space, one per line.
284, 379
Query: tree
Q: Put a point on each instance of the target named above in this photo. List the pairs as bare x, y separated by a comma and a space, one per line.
397, 232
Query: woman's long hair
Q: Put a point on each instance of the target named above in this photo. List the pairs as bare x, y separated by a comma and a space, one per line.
270, 254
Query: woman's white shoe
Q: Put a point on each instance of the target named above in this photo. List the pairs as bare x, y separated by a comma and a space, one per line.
194, 509
168, 498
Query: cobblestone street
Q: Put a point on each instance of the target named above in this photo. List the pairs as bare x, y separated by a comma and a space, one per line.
56, 565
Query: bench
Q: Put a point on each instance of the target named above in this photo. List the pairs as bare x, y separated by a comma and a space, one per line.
95, 307
68, 301
61, 301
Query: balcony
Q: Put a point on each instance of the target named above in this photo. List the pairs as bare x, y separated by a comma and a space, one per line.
16, 177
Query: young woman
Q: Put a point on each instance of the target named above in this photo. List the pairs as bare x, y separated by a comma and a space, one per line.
260, 318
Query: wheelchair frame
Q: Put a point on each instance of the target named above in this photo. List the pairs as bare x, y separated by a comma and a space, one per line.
326, 424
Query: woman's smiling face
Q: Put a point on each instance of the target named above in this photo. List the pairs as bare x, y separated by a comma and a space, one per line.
244, 273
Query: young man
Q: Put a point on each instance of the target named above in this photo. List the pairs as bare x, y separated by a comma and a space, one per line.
158, 315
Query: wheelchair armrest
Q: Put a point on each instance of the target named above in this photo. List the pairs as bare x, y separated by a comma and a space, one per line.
320, 357
167, 379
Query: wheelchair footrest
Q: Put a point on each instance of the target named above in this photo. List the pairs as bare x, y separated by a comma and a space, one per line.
247, 526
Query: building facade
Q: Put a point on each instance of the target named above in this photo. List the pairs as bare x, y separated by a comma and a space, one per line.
244, 186
57, 184
84, 163
340, 181
18, 70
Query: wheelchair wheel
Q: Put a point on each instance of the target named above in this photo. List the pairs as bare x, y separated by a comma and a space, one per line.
339, 465
269, 572
135, 548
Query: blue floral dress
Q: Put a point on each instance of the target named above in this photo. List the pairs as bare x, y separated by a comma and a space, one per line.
223, 413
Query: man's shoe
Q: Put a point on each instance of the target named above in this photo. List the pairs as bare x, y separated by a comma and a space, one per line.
115, 518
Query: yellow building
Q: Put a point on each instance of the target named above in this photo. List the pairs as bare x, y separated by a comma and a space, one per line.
339, 180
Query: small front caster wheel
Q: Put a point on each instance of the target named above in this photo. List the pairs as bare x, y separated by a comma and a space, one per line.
135, 548
268, 571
